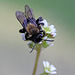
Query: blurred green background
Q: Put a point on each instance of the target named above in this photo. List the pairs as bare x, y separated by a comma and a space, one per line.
15, 58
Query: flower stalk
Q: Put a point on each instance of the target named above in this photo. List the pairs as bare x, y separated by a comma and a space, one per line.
37, 58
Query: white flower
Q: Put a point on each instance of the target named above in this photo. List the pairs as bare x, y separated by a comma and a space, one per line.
49, 69
49, 29
45, 23
23, 36
52, 30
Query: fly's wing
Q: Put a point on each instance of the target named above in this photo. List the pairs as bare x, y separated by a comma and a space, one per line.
21, 17
29, 12
32, 13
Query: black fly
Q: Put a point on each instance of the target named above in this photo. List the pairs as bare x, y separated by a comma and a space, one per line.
31, 27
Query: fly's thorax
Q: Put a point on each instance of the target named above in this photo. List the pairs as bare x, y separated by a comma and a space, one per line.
32, 29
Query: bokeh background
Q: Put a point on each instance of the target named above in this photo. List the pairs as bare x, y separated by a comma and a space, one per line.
15, 58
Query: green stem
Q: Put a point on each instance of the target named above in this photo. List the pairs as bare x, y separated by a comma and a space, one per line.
37, 58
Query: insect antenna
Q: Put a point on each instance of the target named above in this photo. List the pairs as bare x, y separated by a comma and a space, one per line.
33, 48
48, 40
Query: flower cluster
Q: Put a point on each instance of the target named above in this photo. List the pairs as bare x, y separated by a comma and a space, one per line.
48, 69
50, 33
49, 29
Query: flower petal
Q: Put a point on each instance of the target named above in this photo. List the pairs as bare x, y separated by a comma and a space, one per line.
45, 37
54, 34
52, 68
54, 72
53, 30
51, 26
47, 64
44, 63
46, 71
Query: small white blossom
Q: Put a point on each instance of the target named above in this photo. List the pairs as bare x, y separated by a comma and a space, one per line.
49, 69
23, 36
49, 29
